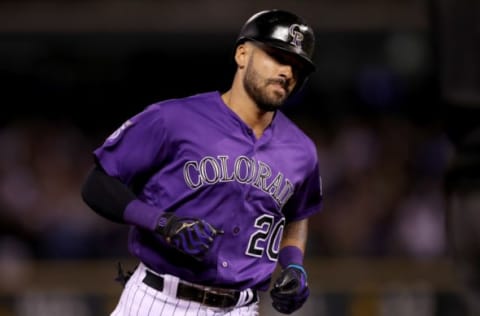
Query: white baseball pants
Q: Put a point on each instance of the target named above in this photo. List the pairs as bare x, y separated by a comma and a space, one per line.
139, 299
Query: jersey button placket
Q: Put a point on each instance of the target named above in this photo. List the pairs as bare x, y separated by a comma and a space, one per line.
251, 134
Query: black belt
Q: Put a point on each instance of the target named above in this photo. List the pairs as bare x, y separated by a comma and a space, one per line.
214, 297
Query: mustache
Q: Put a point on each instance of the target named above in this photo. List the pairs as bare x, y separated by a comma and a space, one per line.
284, 83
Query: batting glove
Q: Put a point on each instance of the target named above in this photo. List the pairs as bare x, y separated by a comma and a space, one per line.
190, 236
290, 290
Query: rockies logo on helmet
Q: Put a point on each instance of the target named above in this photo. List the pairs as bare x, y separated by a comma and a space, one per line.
297, 37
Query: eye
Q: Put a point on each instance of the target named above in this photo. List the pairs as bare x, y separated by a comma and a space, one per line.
285, 58
279, 56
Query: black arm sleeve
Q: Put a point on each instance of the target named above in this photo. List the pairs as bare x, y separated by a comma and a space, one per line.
106, 195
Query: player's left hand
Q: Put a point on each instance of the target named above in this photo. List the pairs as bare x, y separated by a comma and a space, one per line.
290, 291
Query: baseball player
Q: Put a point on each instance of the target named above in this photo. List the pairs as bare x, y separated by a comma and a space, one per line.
217, 187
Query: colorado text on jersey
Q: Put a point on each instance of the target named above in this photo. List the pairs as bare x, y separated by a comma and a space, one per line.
244, 170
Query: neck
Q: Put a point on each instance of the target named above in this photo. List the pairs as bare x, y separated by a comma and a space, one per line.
242, 105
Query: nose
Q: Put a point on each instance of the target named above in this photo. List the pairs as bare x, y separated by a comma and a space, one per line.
291, 66
287, 72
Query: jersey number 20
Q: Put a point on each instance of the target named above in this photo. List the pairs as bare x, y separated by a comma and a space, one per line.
267, 238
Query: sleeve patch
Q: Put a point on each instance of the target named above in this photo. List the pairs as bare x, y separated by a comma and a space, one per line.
116, 135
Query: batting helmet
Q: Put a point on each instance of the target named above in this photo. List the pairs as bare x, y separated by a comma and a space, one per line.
282, 30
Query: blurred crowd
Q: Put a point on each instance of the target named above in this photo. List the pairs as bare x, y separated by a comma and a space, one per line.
42, 165
383, 190
382, 184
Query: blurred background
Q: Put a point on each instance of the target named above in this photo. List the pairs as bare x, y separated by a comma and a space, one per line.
396, 82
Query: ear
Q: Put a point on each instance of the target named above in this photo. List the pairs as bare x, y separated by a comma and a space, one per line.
241, 55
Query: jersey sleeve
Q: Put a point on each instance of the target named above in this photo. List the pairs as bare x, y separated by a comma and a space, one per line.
136, 147
307, 198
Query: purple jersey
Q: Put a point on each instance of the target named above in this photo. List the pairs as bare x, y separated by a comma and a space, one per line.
197, 158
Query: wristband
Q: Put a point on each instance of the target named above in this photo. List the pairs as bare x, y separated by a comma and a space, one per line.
141, 214
290, 255
299, 267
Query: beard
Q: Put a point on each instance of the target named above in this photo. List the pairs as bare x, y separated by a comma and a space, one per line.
256, 88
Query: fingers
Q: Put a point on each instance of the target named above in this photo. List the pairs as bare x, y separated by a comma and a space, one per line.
289, 304
193, 237
196, 238
284, 309
218, 232
212, 231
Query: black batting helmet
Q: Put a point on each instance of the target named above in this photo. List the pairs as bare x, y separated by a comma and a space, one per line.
282, 30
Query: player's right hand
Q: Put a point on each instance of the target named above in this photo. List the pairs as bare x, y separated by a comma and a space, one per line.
190, 236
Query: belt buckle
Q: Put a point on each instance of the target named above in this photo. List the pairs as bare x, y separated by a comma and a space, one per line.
216, 299
210, 299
